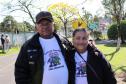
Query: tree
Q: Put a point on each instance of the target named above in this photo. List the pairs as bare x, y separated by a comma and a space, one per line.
97, 35
28, 26
112, 31
21, 27
24, 5
9, 24
1, 26
57, 26
63, 12
25, 27
115, 8
86, 16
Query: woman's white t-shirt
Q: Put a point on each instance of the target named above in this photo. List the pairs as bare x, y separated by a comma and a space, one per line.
81, 75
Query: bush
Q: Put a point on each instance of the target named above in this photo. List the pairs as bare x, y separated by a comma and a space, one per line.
112, 31
97, 35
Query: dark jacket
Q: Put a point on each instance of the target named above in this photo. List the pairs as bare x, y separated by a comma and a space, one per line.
101, 73
2, 40
30, 62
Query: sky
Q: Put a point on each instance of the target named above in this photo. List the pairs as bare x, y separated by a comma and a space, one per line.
93, 6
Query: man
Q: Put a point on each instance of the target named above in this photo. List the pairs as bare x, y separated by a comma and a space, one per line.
2, 42
41, 59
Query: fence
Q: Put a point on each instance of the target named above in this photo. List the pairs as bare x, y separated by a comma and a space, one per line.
18, 39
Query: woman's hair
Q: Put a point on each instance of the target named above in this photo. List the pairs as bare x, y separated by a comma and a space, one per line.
79, 30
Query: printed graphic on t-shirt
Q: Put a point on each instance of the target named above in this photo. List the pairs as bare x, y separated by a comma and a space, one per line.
54, 60
81, 69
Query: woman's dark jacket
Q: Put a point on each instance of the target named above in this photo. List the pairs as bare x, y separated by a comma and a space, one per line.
101, 73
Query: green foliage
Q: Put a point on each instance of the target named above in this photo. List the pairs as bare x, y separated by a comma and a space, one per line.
123, 28
9, 24
25, 27
96, 19
97, 35
112, 31
57, 26
63, 13
114, 7
1, 26
20, 27
28, 26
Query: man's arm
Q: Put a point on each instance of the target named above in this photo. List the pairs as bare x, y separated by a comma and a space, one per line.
109, 76
21, 68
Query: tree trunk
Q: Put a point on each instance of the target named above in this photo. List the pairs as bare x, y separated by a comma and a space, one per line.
65, 28
118, 44
119, 34
30, 15
122, 39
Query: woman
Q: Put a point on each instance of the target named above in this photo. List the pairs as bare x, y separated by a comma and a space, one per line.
87, 64
7, 43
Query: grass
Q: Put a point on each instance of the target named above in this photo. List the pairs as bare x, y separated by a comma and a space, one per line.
118, 60
11, 51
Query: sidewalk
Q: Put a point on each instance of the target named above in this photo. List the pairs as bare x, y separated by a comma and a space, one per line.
7, 69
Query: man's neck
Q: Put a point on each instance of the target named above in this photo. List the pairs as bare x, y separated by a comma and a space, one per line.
47, 36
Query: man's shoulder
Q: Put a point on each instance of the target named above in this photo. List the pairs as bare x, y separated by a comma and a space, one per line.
99, 54
26, 44
96, 52
30, 41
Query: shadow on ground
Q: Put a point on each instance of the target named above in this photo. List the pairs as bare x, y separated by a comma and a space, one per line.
2, 53
114, 45
121, 75
122, 68
111, 55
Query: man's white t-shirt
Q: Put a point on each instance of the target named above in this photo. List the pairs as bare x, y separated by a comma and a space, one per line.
55, 69
81, 75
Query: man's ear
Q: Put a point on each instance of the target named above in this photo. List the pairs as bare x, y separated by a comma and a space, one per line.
72, 39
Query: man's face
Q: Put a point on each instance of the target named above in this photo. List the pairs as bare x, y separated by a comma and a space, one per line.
80, 41
45, 28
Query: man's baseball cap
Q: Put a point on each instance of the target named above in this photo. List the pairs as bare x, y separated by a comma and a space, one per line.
44, 15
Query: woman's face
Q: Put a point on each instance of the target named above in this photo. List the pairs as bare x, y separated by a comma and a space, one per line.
80, 41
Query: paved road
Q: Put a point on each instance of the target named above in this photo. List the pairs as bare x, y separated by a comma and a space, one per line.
7, 69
